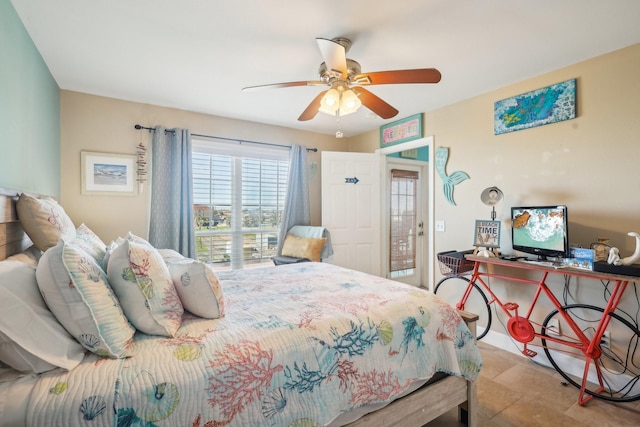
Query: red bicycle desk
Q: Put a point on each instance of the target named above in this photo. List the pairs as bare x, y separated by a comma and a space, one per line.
521, 328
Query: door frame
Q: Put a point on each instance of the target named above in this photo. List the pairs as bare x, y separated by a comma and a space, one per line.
430, 200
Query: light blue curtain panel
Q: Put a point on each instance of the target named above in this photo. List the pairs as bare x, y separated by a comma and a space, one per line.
171, 219
296, 205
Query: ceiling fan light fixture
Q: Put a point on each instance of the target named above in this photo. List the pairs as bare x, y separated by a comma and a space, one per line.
330, 102
349, 102
339, 102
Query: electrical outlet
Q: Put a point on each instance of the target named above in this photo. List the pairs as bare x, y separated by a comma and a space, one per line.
553, 327
440, 225
605, 341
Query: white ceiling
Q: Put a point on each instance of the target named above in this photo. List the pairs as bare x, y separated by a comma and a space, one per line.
196, 55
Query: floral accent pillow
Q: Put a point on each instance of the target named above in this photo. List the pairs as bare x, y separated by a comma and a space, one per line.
198, 287
143, 284
77, 292
44, 221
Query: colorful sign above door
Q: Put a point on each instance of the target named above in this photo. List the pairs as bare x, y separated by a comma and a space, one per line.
404, 130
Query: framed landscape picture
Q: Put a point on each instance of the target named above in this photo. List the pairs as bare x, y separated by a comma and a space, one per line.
108, 174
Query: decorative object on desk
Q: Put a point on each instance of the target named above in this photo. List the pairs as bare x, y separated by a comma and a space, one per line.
487, 237
581, 258
486, 252
614, 256
400, 131
551, 104
602, 250
582, 264
442, 156
492, 196
105, 174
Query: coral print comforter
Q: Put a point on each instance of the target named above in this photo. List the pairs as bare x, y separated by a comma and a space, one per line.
300, 344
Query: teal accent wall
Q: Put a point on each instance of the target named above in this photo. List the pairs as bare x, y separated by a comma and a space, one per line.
29, 112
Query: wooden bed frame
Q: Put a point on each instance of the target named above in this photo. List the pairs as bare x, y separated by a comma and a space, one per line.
414, 410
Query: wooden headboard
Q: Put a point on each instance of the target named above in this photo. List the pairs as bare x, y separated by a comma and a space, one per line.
13, 239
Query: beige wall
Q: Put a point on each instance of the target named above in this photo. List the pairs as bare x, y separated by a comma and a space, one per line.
94, 123
589, 163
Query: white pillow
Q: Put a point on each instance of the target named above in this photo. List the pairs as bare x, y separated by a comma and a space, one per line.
144, 287
169, 255
198, 287
90, 242
44, 221
30, 255
78, 293
31, 338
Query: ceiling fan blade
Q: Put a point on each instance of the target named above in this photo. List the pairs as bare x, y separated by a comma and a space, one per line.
287, 84
375, 104
334, 55
311, 110
420, 75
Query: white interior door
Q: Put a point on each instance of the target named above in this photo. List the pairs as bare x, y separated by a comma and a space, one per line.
351, 208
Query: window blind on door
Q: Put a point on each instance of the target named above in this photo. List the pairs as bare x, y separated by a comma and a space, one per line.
403, 227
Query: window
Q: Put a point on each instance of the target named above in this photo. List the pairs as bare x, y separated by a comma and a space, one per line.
403, 225
239, 193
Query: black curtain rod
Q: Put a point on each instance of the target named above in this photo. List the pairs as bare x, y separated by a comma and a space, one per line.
240, 141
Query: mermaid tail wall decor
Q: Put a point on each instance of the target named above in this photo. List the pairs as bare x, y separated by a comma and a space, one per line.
442, 156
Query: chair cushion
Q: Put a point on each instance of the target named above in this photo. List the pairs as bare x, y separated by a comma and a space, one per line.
303, 247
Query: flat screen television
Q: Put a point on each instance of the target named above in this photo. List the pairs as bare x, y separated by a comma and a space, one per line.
541, 231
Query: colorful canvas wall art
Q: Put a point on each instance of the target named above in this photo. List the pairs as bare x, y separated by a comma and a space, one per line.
551, 104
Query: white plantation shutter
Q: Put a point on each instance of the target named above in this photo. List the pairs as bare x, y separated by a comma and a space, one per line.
239, 194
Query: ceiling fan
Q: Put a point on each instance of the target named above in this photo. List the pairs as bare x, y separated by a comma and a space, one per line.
346, 92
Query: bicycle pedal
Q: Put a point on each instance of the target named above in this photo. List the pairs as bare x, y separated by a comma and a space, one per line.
511, 306
529, 353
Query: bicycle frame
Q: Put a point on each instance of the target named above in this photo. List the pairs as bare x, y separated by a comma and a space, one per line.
521, 327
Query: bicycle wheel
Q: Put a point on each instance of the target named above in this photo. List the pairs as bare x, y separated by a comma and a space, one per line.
452, 288
619, 361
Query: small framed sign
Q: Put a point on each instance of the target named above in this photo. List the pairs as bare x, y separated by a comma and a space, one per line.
487, 234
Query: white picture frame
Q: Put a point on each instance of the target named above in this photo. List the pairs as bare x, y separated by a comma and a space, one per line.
108, 174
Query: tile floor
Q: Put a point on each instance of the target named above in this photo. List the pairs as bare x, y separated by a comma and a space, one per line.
513, 391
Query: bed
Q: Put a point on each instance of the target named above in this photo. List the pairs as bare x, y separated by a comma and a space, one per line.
360, 350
